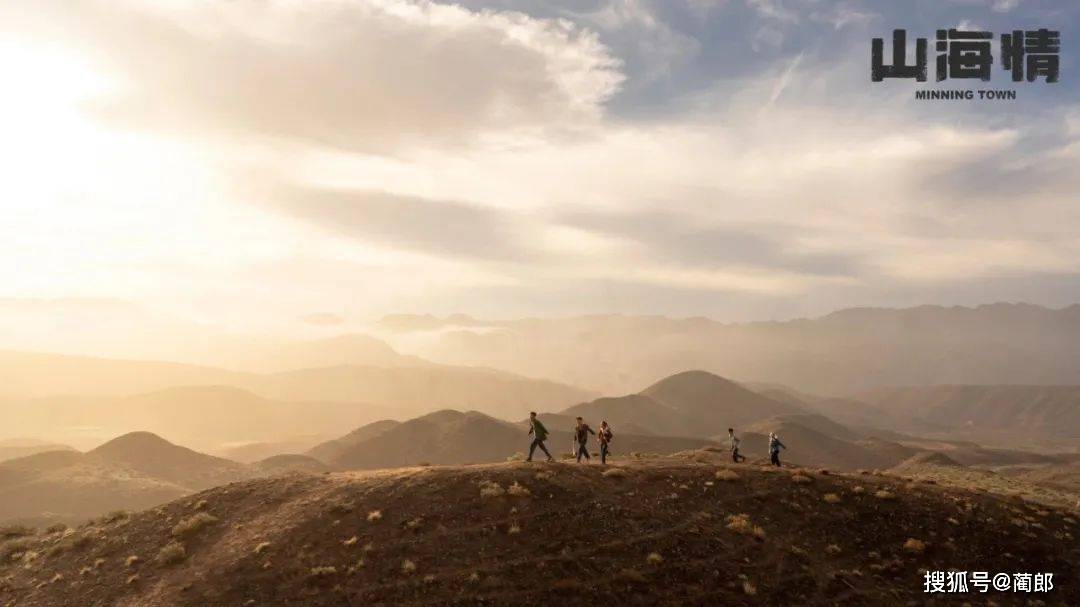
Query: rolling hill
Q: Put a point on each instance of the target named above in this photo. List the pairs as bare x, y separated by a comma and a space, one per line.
691, 403
452, 437
667, 531
133, 471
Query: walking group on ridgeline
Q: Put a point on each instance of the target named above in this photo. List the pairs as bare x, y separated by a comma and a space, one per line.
604, 436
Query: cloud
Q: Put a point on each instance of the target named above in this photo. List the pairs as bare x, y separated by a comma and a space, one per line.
405, 223
367, 75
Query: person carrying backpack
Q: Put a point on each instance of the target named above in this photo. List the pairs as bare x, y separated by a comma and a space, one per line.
539, 434
774, 449
604, 437
735, 457
581, 436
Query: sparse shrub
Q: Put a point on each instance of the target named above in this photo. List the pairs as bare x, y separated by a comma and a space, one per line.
749, 588
518, 490
654, 558
132, 579
952, 521
491, 489
85, 569
740, 523
262, 546
374, 515
831, 498
544, 475
882, 494
473, 578
516, 457
12, 531
114, 517
357, 566
726, 475
801, 479
858, 489
832, 549
351, 541
323, 571
429, 578
13, 549
408, 566
187, 527
132, 560
98, 562
171, 554
616, 473
415, 524
823, 472
914, 546
57, 578
200, 505
514, 529
57, 528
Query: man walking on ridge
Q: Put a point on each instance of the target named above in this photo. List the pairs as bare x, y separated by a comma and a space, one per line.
539, 434
581, 435
735, 457
774, 449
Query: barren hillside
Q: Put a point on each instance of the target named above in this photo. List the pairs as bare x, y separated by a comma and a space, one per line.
662, 532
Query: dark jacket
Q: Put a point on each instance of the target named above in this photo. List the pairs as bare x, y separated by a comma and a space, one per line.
582, 432
537, 428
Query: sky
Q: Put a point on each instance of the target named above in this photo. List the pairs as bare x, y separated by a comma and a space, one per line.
254, 162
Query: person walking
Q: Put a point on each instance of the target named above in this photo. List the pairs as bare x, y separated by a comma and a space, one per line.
539, 434
581, 435
604, 437
735, 457
774, 449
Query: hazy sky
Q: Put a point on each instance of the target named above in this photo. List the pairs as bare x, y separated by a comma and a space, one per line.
253, 161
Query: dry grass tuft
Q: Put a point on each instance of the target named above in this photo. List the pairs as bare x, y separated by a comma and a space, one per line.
616, 473
516, 457
654, 558
882, 494
199, 505
629, 574
357, 566
57, 528
831, 498
171, 554
726, 475
262, 546
132, 579
131, 561
193, 524
323, 571
374, 515
801, 479
351, 541
740, 523
514, 529
491, 489
914, 546
544, 475
832, 549
749, 588
408, 566
858, 489
518, 490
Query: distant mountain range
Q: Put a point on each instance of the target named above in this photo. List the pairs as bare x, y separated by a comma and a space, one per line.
48, 395
838, 354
